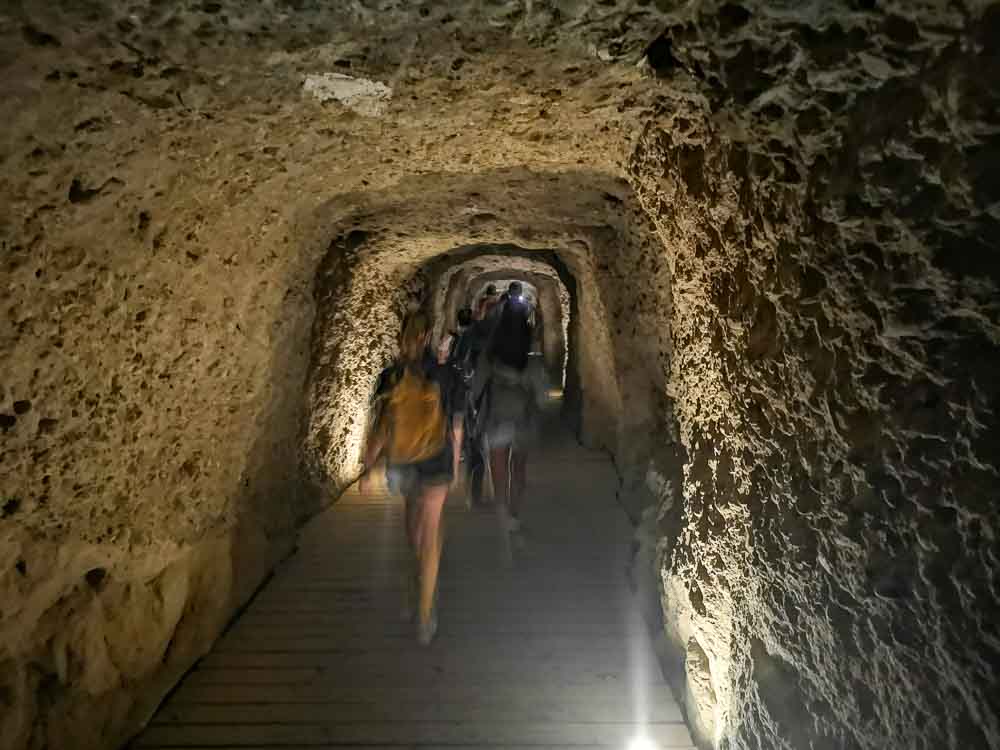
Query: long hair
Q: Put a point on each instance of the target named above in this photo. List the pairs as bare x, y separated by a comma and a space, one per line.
413, 339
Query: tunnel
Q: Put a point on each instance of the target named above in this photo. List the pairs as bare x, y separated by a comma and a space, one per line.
761, 243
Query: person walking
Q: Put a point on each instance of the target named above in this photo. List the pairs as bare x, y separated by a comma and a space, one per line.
418, 432
472, 339
515, 396
487, 303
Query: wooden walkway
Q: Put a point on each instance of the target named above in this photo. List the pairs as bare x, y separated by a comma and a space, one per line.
547, 652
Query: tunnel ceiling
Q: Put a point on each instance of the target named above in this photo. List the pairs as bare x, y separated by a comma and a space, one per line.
781, 221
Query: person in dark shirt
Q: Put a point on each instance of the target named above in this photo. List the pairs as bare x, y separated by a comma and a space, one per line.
512, 334
514, 394
472, 339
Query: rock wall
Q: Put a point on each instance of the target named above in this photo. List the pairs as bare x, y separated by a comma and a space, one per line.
833, 582
789, 346
166, 171
150, 366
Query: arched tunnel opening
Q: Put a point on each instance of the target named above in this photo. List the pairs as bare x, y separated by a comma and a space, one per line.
760, 244
544, 279
399, 255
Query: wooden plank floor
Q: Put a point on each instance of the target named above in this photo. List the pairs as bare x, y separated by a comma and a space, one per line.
548, 651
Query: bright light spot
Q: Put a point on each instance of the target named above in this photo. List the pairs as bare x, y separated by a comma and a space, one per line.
642, 742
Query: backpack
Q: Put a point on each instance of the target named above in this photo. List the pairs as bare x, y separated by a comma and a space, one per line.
414, 419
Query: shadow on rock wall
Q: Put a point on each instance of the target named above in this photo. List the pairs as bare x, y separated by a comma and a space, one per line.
835, 349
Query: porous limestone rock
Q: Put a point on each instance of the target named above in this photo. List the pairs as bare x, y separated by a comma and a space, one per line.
835, 342
169, 195
780, 221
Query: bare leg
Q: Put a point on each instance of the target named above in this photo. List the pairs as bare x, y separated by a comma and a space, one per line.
519, 480
431, 539
411, 577
499, 467
412, 521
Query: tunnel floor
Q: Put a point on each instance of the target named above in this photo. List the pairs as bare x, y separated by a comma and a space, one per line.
550, 651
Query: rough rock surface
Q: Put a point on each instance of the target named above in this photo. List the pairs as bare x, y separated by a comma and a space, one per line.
170, 190
834, 255
789, 310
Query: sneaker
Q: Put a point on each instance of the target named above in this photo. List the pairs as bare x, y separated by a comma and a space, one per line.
427, 630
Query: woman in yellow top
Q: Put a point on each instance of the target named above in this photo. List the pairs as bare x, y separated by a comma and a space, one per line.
419, 433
